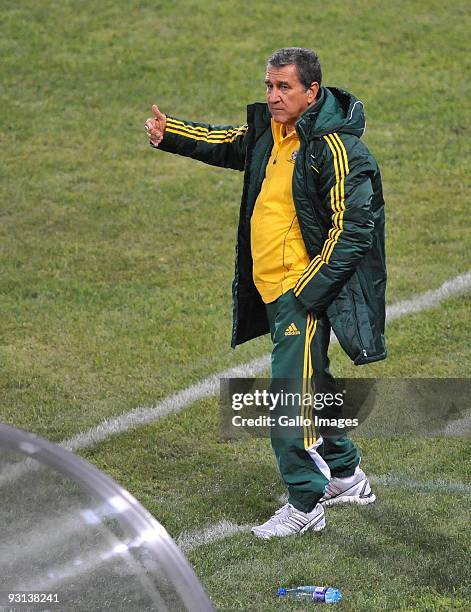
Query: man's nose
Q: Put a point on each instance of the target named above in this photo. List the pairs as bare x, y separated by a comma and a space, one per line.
273, 94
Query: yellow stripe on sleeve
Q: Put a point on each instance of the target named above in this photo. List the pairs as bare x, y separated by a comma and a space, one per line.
175, 126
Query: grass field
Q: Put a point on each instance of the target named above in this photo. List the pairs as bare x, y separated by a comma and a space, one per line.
116, 263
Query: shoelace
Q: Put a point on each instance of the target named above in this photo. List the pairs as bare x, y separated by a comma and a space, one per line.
282, 514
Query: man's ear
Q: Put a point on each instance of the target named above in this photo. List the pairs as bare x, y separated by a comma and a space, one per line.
312, 92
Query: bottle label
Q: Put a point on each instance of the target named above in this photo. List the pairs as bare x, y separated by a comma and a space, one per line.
319, 594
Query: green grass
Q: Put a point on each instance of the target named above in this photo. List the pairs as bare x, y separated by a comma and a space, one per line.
409, 549
117, 262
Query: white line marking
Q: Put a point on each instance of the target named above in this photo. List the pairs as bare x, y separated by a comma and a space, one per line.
173, 403
13, 471
431, 486
188, 540
210, 386
455, 286
396, 481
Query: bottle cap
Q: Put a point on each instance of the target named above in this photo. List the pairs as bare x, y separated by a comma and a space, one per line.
281, 592
336, 596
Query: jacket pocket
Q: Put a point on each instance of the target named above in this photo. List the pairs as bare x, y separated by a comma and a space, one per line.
352, 316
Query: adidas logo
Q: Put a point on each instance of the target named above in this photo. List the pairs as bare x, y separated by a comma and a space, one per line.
292, 330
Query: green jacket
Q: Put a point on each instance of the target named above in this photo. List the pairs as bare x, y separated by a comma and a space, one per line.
339, 204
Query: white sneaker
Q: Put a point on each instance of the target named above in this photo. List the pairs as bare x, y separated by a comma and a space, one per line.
351, 490
289, 521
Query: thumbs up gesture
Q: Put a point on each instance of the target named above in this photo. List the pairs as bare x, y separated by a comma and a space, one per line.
155, 126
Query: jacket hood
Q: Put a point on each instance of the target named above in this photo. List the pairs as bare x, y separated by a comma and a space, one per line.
336, 110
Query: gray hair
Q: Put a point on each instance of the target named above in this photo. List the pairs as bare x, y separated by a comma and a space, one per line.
306, 61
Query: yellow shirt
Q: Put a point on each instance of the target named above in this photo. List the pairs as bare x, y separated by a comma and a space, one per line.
278, 251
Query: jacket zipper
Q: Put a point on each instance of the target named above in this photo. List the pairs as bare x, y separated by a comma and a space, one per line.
303, 146
363, 350
302, 159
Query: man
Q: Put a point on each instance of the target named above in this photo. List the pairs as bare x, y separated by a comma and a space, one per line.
310, 256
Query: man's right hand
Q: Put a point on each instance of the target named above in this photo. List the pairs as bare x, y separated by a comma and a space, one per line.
155, 126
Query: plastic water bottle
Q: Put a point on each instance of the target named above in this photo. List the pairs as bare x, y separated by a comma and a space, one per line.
317, 594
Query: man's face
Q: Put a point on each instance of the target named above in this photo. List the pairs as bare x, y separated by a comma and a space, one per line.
286, 96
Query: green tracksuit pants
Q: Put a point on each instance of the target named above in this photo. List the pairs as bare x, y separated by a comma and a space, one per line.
306, 460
